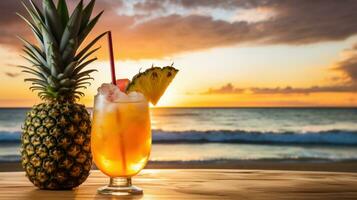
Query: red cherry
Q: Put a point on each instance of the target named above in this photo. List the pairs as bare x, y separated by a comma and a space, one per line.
123, 84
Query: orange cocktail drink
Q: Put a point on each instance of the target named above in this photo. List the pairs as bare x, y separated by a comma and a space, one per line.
121, 132
121, 136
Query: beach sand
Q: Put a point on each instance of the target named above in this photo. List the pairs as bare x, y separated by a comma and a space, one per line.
337, 166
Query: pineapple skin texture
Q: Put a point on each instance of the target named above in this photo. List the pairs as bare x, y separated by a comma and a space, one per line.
55, 145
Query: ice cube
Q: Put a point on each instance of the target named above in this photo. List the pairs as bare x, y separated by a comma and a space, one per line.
136, 96
112, 94
109, 91
105, 89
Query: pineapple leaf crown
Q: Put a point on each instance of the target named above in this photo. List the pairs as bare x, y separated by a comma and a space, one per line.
58, 66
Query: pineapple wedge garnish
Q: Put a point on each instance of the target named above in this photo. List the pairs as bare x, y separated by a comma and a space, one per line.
153, 82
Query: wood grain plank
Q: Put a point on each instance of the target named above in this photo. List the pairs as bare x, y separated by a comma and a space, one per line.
200, 184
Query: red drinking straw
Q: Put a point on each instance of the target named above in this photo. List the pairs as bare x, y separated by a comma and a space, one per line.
112, 67
111, 54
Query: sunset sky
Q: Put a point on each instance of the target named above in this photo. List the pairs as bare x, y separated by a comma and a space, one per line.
230, 53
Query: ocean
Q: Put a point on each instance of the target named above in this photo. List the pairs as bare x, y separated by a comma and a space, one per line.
224, 134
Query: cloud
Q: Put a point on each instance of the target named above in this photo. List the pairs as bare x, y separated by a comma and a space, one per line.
226, 89
307, 90
230, 89
12, 75
151, 30
149, 6
176, 34
294, 22
10, 23
226, 4
301, 22
349, 66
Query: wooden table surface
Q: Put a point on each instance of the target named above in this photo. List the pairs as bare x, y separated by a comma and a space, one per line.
200, 184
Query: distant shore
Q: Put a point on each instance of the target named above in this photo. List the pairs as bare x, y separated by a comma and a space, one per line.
328, 166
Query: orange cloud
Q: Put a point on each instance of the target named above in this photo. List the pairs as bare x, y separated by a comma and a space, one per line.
155, 30
12, 75
226, 89
349, 66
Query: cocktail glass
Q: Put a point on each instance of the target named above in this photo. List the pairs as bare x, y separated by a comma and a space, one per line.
121, 142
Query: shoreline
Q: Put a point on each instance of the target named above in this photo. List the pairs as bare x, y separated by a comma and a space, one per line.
291, 165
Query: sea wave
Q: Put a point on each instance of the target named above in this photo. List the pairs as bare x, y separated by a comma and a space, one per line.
10, 158
330, 137
9, 136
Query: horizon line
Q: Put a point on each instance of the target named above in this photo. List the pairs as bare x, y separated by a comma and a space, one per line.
227, 107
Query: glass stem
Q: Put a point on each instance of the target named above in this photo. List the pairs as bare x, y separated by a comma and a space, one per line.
120, 182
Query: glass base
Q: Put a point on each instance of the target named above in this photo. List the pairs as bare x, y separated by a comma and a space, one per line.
120, 187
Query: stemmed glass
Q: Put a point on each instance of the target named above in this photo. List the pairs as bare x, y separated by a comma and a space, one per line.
121, 142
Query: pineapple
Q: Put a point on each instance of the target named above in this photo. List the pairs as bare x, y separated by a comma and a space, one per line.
56, 134
153, 82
